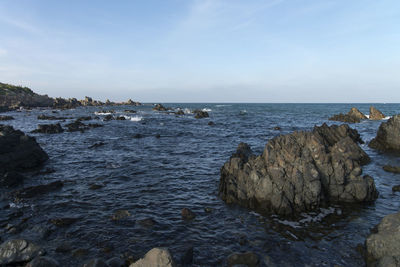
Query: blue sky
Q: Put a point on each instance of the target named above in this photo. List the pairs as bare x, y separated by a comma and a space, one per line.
204, 50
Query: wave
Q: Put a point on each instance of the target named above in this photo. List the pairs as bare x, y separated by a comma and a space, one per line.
218, 106
309, 218
102, 113
207, 109
133, 118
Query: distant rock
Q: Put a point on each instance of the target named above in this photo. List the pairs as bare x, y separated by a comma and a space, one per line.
180, 112
375, 114
187, 214
14, 97
390, 168
387, 138
49, 129
120, 214
17, 251
45, 117
299, 172
6, 118
81, 127
383, 245
156, 257
353, 116
85, 118
159, 107
199, 114
249, 259
129, 111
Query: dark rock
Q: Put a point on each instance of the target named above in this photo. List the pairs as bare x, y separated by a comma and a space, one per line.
62, 222
187, 214
353, 116
18, 251
45, 117
120, 214
49, 128
95, 186
116, 262
43, 262
5, 118
299, 172
129, 111
108, 118
277, 128
64, 248
120, 118
80, 252
19, 151
137, 136
11, 179
211, 123
94, 125
158, 136
159, 107
97, 145
383, 246
249, 259
45, 171
180, 112
393, 169
208, 210
96, 263
76, 126
199, 114
148, 222
396, 188
375, 114
34, 191
387, 138
187, 258
86, 118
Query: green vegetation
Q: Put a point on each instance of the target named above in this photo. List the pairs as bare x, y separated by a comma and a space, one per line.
8, 89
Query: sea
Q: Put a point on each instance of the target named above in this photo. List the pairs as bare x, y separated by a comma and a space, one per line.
176, 164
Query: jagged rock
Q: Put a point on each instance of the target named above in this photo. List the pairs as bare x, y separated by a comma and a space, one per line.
43, 261
199, 114
156, 257
375, 114
393, 169
299, 172
19, 151
383, 246
353, 116
187, 214
33, 191
49, 129
6, 118
11, 178
18, 251
388, 136
249, 259
159, 107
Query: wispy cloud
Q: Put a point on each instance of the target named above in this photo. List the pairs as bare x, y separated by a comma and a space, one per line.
20, 24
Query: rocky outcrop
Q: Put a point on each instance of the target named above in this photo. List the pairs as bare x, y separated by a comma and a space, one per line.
18, 151
299, 172
159, 107
390, 168
375, 114
383, 245
388, 136
156, 257
199, 114
49, 129
353, 116
45, 117
18, 251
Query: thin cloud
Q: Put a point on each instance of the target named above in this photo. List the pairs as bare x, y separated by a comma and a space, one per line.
20, 24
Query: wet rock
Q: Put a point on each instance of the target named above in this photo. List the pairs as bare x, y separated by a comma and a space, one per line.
95, 145
18, 251
43, 262
299, 172
129, 111
187, 214
95, 125
137, 136
211, 123
383, 246
49, 128
11, 179
353, 116
156, 257
62, 222
390, 168
120, 118
396, 188
387, 138
76, 126
120, 214
375, 114
187, 258
116, 262
34, 191
208, 210
148, 222
108, 118
6, 118
199, 114
19, 151
45, 117
96, 263
159, 107
249, 259
85, 118
180, 112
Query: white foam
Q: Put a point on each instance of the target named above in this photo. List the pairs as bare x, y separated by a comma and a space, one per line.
102, 113
218, 106
310, 217
366, 116
133, 118
386, 118
207, 109
187, 111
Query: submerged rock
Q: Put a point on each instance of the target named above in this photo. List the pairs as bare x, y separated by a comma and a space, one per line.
120, 214
34, 191
388, 136
62, 222
353, 116
95, 145
393, 169
249, 259
396, 188
187, 214
120, 118
108, 118
156, 257
383, 246
199, 114
6, 118
49, 128
299, 172
375, 114
18, 251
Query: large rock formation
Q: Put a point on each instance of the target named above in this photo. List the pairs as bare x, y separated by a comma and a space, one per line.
18, 151
383, 245
156, 257
299, 172
375, 114
18, 251
353, 116
388, 136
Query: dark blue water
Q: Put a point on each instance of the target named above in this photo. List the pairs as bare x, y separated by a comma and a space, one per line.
157, 177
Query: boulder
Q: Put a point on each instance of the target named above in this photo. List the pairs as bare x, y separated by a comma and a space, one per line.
388, 137
120, 118
18, 251
187, 214
76, 126
5, 118
108, 117
375, 114
383, 245
390, 168
180, 112
49, 128
159, 107
249, 259
156, 257
19, 151
199, 114
353, 116
299, 172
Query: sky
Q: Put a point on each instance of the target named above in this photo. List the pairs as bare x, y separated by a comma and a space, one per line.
204, 50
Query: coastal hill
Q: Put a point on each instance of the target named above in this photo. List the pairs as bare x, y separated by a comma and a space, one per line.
14, 97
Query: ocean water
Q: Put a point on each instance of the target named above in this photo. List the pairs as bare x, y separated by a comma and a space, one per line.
156, 177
